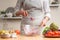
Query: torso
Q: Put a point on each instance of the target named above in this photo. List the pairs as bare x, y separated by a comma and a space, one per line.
29, 4
34, 8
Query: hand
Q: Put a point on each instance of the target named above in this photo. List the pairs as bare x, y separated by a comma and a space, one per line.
44, 21
22, 12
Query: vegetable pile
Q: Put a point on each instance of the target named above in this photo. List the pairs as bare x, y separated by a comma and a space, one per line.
51, 31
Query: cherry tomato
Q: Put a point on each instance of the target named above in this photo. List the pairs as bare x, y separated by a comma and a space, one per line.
45, 34
50, 32
56, 35
57, 32
17, 32
53, 34
49, 35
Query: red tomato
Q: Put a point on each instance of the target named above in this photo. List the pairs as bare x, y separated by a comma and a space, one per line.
45, 34
49, 35
59, 32
17, 32
56, 32
56, 35
51, 32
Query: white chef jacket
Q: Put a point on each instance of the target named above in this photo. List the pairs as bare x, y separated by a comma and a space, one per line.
36, 9
44, 4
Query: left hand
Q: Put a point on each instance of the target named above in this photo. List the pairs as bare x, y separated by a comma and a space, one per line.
22, 12
44, 21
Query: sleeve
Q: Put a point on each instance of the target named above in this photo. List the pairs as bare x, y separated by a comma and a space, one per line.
46, 8
18, 5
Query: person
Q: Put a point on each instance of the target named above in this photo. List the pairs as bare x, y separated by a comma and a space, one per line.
35, 13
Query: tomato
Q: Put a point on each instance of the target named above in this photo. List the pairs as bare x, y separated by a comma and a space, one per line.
17, 32
49, 35
50, 32
45, 34
59, 32
56, 35
56, 32
53, 34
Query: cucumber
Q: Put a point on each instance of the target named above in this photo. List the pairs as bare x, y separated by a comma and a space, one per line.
46, 29
53, 27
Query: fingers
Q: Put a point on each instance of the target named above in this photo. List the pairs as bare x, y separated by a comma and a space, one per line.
45, 20
42, 24
18, 13
25, 13
22, 12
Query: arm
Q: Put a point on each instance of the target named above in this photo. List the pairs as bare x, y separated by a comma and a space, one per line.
19, 10
46, 10
18, 5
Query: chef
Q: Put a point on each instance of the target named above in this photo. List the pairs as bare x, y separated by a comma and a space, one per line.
36, 13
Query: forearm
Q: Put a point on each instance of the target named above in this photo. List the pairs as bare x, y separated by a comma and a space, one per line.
44, 21
19, 5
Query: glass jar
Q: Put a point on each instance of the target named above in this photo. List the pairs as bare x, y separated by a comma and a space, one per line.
30, 29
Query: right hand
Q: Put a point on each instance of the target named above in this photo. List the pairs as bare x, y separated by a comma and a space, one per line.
22, 12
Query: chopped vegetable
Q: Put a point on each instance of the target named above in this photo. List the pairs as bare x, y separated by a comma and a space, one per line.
53, 27
46, 29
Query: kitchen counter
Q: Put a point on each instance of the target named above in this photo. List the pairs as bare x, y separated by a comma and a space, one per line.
38, 37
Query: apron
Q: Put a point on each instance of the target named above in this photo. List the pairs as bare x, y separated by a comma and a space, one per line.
34, 18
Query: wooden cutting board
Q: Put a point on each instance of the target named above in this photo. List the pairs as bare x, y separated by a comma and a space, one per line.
37, 37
